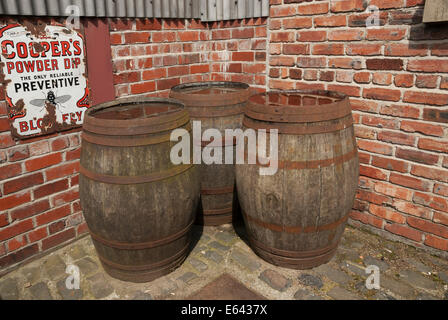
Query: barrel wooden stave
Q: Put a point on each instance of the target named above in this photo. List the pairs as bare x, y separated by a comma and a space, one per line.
296, 217
140, 230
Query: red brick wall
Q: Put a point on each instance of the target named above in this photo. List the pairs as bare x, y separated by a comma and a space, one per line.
397, 77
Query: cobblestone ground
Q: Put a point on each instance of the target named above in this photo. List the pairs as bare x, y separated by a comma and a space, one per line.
405, 272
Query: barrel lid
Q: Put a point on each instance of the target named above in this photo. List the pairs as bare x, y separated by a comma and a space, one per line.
131, 116
211, 93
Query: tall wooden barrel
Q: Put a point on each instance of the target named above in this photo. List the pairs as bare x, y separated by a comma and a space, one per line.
217, 105
139, 207
295, 218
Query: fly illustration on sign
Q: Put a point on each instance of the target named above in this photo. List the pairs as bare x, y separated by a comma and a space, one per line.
44, 75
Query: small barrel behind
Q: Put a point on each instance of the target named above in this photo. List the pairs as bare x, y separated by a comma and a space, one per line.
139, 207
217, 105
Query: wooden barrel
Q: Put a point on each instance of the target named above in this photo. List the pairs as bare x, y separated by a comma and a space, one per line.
139, 207
218, 105
295, 218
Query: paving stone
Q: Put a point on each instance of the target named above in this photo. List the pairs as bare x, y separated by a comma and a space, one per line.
304, 294
77, 252
275, 280
356, 245
87, 266
383, 296
355, 268
339, 293
418, 265
198, 264
310, 280
213, 256
40, 291
417, 280
55, 267
142, 296
100, 286
426, 296
382, 265
31, 274
225, 237
443, 276
338, 276
8, 289
219, 246
199, 249
188, 277
68, 294
244, 260
398, 287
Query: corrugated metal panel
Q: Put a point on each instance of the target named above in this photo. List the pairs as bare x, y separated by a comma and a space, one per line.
206, 10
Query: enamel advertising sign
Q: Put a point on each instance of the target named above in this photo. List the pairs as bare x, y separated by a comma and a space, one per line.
44, 76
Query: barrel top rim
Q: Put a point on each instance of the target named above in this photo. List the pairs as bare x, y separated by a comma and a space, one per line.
209, 84
321, 93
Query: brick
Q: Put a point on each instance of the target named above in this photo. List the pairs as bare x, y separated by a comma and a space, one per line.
313, 8
38, 148
345, 35
375, 147
425, 97
426, 81
412, 209
311, 62
281, 84
161, 36
178, 71
243, 56
404, 80
366, 218
143, 87
59, 144
14, 200
6, 140
296, 49
353, 91
396, 137
282, 36
364, 49
384, 64
65, 197
119, 24
43, 162
311, 36
436, 242
282, 11
387, 4
394, 34
344, 76
423, 128
432, 145
37, 234
154, 74
15, 229
18, 153
295, 74
404, 231
137, 37
428, 226
439, 49
52, 215
362, 77
348, 5
50, 188
203, 68
58, 238
417, 156
401, 17
390, 164
328, 49
17, 243
386, 213
435, 115
330, 21
10, 170
430, 173
428, 65
365, 133
327, 76
360, 20
31, 209
431, 201
410, 182
382, 78
440, 217
441, 189
18, 256
372, 172
393, 190
406, 50
22, 183
382, 94
56, 227
372, 197
345, 63
400, 111
148, 24
193, 35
